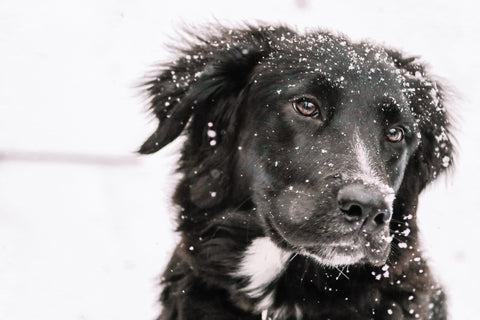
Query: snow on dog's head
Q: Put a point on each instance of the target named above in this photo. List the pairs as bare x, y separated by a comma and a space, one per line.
320, 138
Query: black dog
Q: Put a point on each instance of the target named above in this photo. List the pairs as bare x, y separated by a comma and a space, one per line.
304, 159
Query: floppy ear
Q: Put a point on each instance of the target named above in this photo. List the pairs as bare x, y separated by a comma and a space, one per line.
433, 156
209, 71
427, 101
201, 92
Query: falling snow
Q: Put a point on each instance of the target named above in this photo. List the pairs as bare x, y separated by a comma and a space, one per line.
105, 197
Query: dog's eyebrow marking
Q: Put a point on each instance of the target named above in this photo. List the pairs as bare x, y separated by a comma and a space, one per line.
262, 263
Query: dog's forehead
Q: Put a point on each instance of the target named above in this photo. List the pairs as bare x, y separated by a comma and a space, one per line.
360, 70
338, 60
336, 50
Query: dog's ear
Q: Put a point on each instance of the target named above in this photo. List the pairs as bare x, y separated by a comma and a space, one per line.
204, 76
433, 156
202, 92
427, 100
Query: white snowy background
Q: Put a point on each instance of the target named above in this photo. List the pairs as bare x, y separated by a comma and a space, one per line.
86, 224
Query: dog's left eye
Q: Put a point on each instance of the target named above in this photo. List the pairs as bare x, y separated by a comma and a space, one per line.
396, 134
306, 107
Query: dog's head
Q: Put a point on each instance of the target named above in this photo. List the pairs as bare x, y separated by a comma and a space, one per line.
330, 142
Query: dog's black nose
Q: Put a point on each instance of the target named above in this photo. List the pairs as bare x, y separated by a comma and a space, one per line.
364, 207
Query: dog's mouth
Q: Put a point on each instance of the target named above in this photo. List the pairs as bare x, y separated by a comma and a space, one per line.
350, 249
361, 252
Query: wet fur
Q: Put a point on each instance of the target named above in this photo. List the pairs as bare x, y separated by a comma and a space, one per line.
227, 82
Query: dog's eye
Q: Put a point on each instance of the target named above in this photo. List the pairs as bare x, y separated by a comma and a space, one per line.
396, 134
306, 107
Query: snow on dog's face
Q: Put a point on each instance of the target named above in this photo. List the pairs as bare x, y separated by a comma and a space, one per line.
316, 132
326, 142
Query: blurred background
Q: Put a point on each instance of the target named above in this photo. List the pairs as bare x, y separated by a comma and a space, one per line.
86, 225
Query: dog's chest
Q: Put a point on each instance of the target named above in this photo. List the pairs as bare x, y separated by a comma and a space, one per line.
262, 264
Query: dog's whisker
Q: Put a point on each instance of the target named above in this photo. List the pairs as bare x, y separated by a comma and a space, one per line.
341, 273
307, 264
293, 256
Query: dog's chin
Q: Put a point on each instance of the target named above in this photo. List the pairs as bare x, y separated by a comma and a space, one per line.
345, 255
359, 252
335, 255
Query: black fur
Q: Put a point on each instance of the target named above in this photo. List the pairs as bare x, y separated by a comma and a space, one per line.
246, 149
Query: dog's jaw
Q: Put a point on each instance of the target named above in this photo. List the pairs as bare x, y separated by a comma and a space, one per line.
358, 247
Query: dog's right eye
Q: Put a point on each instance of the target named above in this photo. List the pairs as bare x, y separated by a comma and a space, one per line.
306, 107
396, 134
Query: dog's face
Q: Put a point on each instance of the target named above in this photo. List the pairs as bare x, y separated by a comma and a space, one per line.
316, 132
326, 150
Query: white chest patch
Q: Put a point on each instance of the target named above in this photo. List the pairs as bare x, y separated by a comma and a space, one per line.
262, 263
